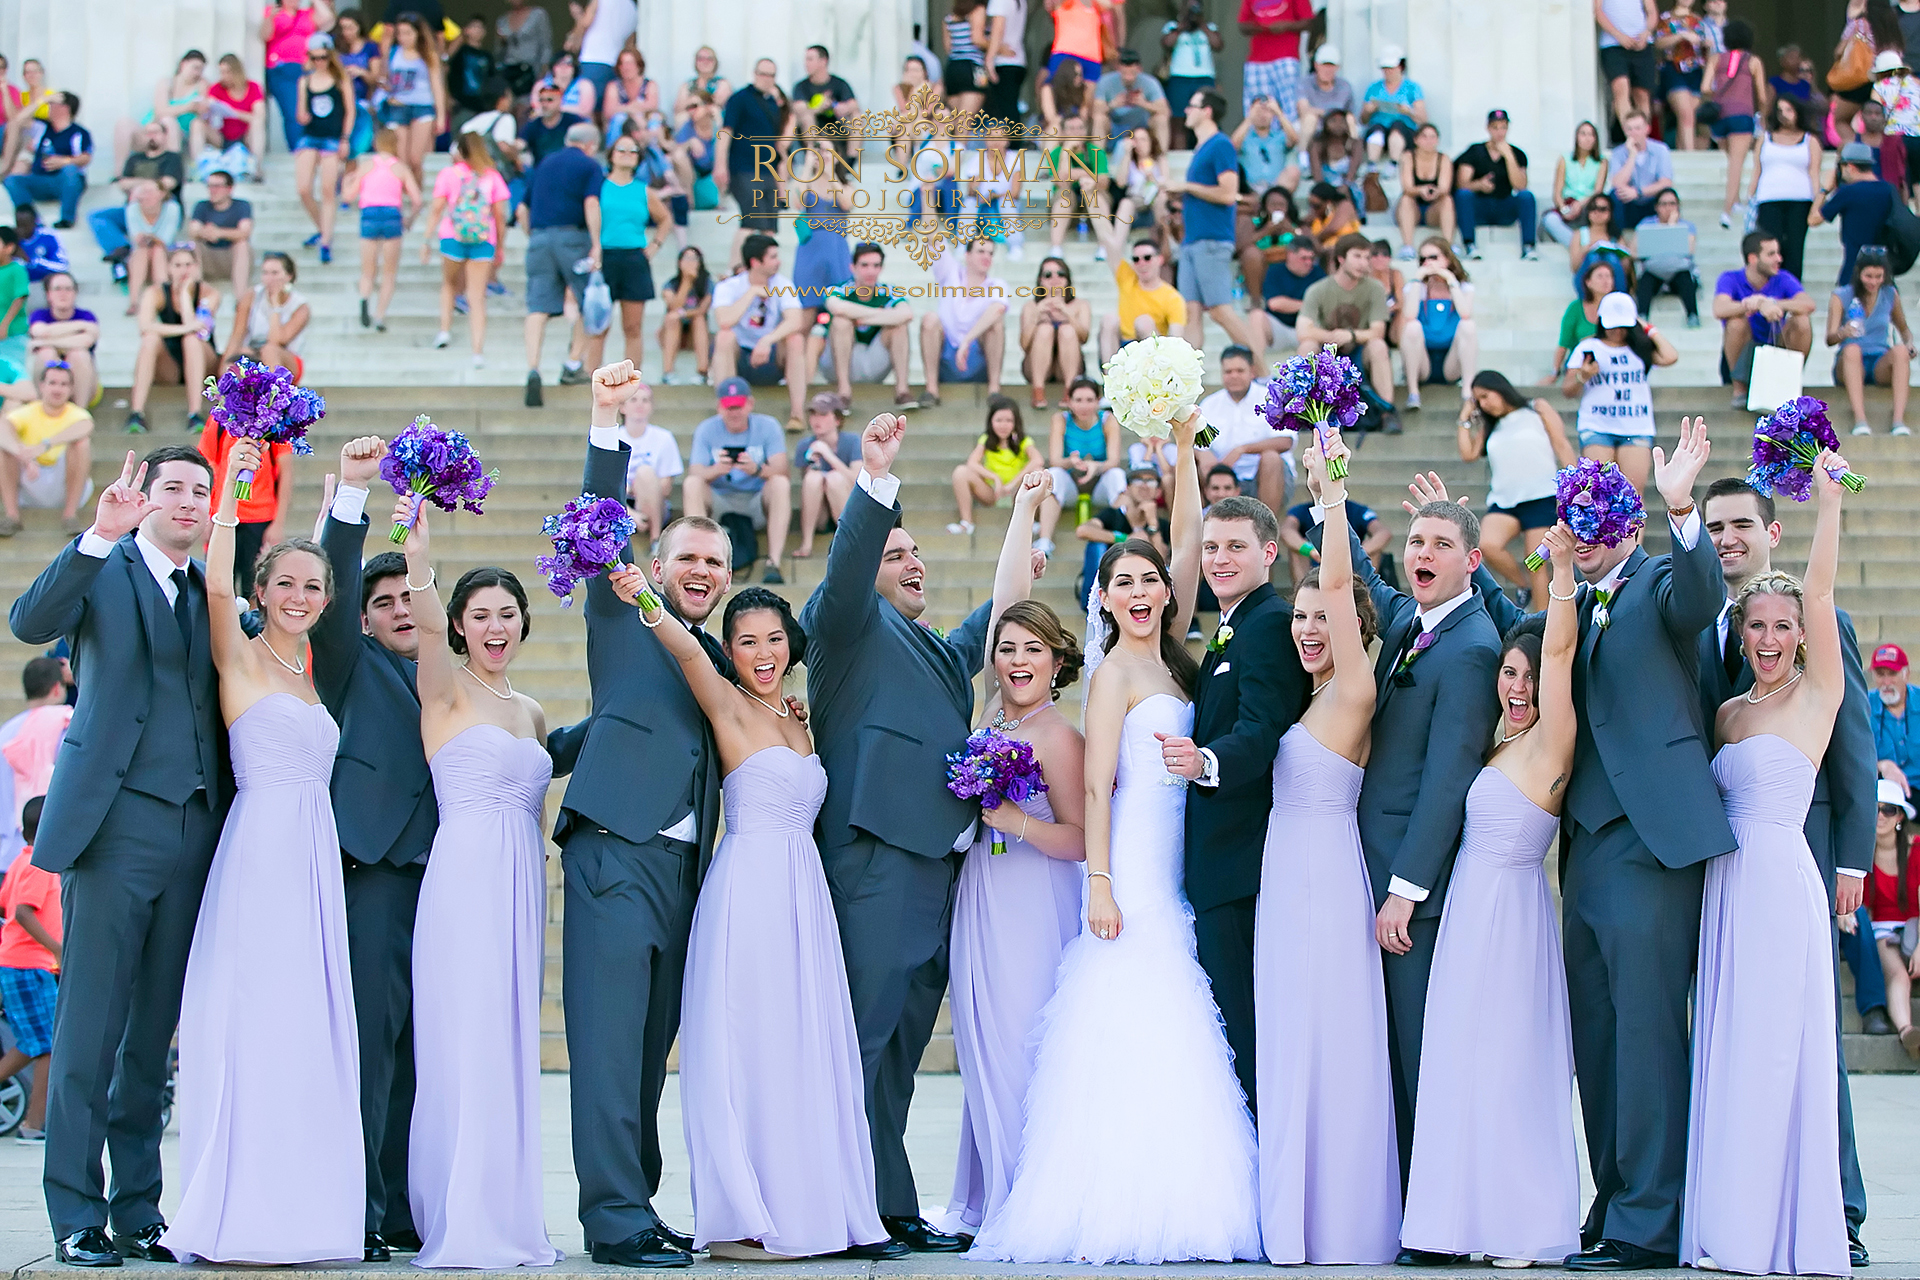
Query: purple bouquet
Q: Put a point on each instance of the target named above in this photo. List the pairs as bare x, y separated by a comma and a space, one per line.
590, 536
1307, 392
994, 769
437, 466
1598, 503
253, 401
1786, 444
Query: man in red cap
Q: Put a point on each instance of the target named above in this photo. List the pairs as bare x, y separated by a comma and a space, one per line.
1896, 737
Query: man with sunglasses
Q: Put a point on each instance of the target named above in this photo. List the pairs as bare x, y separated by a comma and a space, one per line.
1150, 304
546, 133
45, 454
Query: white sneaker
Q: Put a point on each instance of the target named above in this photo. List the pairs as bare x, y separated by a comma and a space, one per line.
1726, 218
1900, 429
1100, 254
1511, 1264
961, 526
441, 339
479, 361
1413, 399
1862, 429
669, 379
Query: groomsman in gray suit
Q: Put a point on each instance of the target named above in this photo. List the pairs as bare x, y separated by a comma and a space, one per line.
1840, 820
890, 698
1642, 817
636, 830
1433, 722
131, 821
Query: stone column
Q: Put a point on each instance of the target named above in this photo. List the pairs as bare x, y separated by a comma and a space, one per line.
867, 39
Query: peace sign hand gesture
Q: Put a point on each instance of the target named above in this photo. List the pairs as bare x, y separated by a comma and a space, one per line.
123, 504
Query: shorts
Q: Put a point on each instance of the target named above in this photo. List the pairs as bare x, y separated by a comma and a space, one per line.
29, 996
1281, 336
1106, 489
454, 251
382, 222
1869, 362
1534, 513
1206, 272
1858, 96
748, 504
1089, 69
963, 77
1379, 133
976, 370
628, 274
1278, 79
1437, 367
216, 261
551, 253
1640, 67
402, 114
870, 362
770, 372
1672, 80
1608, 440
48, 489
326, 146
1726, 126
756, 198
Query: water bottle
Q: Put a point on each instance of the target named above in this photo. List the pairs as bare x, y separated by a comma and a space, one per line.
1239, 293
1083, 508
204, 315
584, 267
1856, 319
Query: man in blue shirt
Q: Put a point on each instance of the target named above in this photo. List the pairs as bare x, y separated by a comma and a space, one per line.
563, 248
1896, 733
1862, 202
1207, 266
60, 159
40, 250
753, 118
1285, 287
739, 474
1759, 304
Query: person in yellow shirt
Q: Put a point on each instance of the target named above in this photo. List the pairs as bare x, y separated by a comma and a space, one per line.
45, 453
1150, 304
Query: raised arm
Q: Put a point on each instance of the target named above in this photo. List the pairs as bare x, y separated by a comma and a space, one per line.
1353, 688
845, 603
1185, 521
438, 692
1553, 683
56, 601
336, 637
1696, 592
715, 693
1826, 675
1013, 576
1106, 711
223, 618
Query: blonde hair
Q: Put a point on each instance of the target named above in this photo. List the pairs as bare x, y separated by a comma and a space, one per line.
386, 140
1774, 582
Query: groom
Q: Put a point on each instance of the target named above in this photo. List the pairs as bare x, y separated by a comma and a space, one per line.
891, 697
1251, 690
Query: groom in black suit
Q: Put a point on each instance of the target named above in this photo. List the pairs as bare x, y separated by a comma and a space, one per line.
1251, 690
131, 820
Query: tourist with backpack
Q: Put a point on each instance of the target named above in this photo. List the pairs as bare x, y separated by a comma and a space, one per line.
470, 214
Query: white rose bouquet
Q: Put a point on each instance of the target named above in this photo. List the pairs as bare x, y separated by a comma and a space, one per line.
1155, 382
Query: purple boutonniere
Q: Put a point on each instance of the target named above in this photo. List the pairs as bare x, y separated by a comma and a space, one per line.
1420, 646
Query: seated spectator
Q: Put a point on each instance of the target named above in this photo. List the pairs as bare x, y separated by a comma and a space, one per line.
1598, 238
263, 513
653, 460
1284, 289
152, 222
1861, 201
820, 97
15, 286
1578, 176
1581, 319
1525, 445
1641, 168
1259, 222
1331, 215
1084, 454
1609, 373
176, 336
1861, 320
1001, 458
1439, 341
231, 133
1892, 901
58, 170
739, 475
1759, 304
29, 958
1326, 90
1334, 154
631, 96
695, 144
965, 339
1243, 442
864, 330
546, 132
45, 454
759, 326
1674, 272
149, 162
1134, 515
913, 74
1055, 324
1380, 265
1266, 140
1426, 189
687, 298
1392, 108
1150, 304
1219, 484
223, 228
827, 459
1896, 735
270, 323
1299, 523
37, 247
26, 112
1125, 99
65, 331
1137, 185
706, 78
1349, 311
1490, 188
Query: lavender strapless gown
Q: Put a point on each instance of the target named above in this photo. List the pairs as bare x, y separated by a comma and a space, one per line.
1012, 914
1329, 1163
1763, 1142
771, 1089
473, 1157
271, 1160
1495, 1169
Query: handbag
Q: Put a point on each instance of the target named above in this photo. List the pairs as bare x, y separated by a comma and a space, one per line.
1854, 66
1776, 378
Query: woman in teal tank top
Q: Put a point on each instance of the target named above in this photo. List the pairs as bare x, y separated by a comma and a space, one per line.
1084, 456
629, 208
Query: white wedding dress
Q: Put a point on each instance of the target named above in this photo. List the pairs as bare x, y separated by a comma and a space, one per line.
1138, 1146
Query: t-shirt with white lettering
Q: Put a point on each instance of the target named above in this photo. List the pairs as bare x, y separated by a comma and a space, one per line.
762, 314
958, 315
1617, 401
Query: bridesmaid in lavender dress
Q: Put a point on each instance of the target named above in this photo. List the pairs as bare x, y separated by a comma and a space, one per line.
270, 1149
770, 1081
473, 1158
1013, 912
1494, 1168
1763, 1162
1329, 1163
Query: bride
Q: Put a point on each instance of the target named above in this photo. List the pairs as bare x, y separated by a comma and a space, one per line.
1138, 1146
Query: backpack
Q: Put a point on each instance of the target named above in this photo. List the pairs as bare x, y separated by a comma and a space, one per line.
1902, 235
471, 215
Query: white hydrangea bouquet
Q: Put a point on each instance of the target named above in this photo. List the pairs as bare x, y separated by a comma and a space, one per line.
1154, 382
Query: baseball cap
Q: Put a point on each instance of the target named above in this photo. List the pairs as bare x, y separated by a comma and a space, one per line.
1889, 657
1129, 57
1618, 312
733, 393
1857, 153
827, 402
1392, 55
1888, 792
319, 43
1328, 54
1498, 114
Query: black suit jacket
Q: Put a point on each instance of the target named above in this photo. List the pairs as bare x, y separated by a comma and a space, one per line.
118, 623
1840, 820
383, 801
1249, 694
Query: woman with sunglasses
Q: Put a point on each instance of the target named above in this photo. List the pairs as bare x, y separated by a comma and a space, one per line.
326, 116
706, 78
1438, 338
1054, 328
634, 222
1893, 902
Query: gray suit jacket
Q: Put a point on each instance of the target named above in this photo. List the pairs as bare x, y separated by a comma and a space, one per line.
118, 622
890, 698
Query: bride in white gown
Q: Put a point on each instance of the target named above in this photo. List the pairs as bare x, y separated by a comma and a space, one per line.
1138, 1146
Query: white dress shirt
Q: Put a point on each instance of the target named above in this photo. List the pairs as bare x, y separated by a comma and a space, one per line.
159, 563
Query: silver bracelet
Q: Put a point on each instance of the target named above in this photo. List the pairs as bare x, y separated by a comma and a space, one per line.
232, 522
432, 577
1555, 595
1103, 875
1024, 820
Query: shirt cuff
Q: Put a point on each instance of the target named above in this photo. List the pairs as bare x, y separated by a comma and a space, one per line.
607, 438
882, 489
1687, 530
92, 544
1849, 871
349, 503
1404, 889
1209, 768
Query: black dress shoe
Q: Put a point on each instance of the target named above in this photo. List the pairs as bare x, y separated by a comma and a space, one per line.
1618, 1255
919, 1235
1428, 1258
884, 1250
144, 1244
376, 1249
88, 1248
1857, 1251
649, 1248
406, 1240
678, 1238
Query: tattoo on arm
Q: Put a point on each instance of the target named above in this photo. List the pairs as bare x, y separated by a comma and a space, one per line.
1555, 788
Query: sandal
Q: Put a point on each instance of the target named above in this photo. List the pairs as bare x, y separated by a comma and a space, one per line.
905, 400
1910, 1041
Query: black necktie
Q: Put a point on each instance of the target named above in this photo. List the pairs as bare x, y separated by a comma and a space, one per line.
1730, 655
183, 608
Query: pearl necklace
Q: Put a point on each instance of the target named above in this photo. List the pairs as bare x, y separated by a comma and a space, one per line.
783, 711
299, 670
1505, 738
1753, 701
504, 697
1324, 686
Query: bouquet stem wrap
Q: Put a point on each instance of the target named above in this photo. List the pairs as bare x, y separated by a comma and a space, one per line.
434, 465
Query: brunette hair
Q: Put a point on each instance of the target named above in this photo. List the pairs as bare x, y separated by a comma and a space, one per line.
1362, 603
754, 599
1173, 649
477, 579
281, 550
1017, 441
1047, 628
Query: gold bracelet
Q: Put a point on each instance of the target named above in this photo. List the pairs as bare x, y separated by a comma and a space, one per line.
232, 522
432, 577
